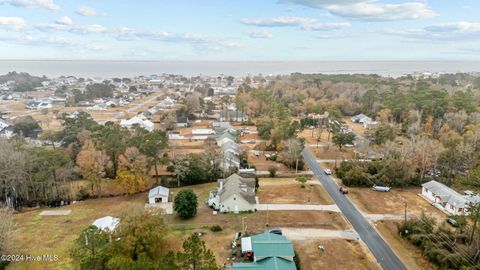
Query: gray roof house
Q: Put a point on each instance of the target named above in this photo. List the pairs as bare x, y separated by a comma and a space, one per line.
234, 194
447, 199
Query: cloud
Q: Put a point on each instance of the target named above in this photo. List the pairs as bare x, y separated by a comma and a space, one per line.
88, 11
304, 23
13, 22
64, 20
279, 21
263, 34
370, 10
452, 31
79, 29
48, 4
196, 40
319, 3
373, 11
90, 28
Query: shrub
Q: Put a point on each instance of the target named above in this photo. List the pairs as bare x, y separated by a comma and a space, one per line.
272, 171
216, 228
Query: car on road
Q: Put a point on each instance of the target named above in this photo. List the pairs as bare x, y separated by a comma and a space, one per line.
452, 222
343, 190
327, 172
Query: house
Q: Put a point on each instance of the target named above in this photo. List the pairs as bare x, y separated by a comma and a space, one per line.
447, 199
107, 223
183, 122
6, 129
167, 103
234, 194
158, 195
361, 118
269, 251
203, 131
139, 120
38, 105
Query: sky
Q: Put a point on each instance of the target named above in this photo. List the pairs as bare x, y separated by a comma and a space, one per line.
240, 30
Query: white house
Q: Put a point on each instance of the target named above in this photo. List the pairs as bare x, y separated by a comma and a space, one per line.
447, 199
234, 194
107, 224
361, 118
158, 195
167, 103
203, 131
138, 120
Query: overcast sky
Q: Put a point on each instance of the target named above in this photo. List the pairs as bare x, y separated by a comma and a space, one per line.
240, 29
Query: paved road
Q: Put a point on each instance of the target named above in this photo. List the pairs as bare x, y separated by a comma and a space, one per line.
382, 252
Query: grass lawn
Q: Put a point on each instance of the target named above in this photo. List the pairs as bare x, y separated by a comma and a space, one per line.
40, 235
288, 191
338, 254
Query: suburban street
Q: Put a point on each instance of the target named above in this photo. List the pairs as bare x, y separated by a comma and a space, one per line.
382, 252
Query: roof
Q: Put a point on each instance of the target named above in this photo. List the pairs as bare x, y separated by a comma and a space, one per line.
448, 195
158, 191
270, 251
273, 263
235, 184
271, 245
106, 223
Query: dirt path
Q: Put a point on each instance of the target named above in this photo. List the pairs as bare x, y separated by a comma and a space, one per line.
300, 207
298, 234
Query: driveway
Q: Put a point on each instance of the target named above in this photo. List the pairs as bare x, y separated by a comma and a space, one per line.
302, 234
382, 252
298, 207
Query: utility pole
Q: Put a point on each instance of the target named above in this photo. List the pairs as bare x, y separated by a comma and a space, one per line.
296, 167
267, 216
405, 221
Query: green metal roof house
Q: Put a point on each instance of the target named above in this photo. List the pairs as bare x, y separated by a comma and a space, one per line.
270, 252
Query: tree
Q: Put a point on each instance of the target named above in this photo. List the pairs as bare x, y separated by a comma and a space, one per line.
91, 163
14, 177
196, 256
132, 182
384, 133
112, 139
341, 139
292, 153
90, 249
25, 126
140, 241
193, 103
151, 144
186, 203
7, 233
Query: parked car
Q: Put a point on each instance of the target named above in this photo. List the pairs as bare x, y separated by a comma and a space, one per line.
381, 188
343, 190
452, 222
327, 171
275, 231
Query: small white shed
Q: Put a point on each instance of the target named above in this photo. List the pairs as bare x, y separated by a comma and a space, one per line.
158, 195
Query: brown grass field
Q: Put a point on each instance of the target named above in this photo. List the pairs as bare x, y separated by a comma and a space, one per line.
288, 191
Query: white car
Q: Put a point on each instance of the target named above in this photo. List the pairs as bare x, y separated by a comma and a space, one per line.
327, 171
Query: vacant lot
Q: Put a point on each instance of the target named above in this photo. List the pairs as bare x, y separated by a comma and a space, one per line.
393, 202
262, 164
410, 255
338, 254
288, 191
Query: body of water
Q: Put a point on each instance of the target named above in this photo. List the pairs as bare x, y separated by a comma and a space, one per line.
110, 69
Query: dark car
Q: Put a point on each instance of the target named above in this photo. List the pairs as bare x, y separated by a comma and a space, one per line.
275, 231
452, 222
